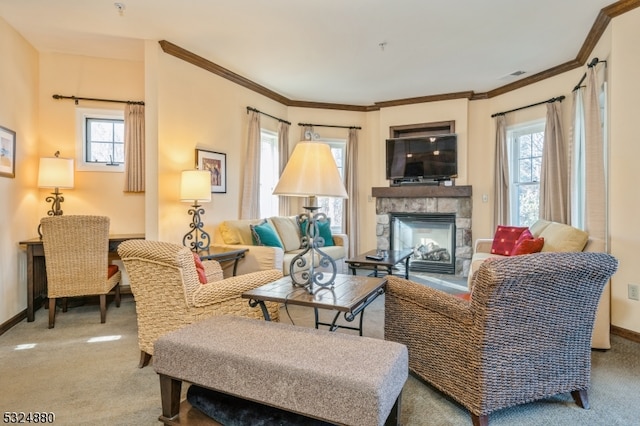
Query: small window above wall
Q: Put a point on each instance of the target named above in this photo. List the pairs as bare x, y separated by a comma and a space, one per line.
99, 140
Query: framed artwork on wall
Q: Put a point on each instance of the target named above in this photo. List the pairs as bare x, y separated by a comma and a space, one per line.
216, 162
7, 152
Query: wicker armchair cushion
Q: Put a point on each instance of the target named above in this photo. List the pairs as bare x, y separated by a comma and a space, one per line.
530, 246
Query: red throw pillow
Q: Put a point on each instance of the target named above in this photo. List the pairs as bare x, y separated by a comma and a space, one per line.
111, 270
202, 277
533, 245
505, 239
464, 296
526, 235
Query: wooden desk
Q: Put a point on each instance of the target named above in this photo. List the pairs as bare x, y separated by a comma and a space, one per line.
37, 273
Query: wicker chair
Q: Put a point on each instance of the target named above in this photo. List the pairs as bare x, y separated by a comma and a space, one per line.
169, 295
525, 333
76, 250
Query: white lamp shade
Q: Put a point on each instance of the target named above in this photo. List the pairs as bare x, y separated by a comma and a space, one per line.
311, 171
195, 185
55, 172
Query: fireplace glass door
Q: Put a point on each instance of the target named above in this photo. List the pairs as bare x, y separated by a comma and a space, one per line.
431, 236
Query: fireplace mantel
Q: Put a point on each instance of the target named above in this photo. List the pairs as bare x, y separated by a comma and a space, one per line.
421, 191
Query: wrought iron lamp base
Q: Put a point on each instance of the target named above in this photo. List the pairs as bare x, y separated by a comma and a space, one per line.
201, 239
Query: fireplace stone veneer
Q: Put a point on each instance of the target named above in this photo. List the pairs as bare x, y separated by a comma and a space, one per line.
427, 199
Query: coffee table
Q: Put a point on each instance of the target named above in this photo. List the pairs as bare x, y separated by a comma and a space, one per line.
392, 258
349, 296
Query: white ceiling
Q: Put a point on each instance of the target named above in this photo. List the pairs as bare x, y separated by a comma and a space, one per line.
328, 50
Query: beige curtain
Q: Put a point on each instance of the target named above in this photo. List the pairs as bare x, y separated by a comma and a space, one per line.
501, 175
284, 203
250, 208
134, 166
595, 198
553, 174
351, 213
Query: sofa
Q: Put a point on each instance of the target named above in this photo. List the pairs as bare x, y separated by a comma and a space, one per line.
558, 237
264, 255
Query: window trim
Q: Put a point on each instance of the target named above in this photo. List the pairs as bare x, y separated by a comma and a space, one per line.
81, 115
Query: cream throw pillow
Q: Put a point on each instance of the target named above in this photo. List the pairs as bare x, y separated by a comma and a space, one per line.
559, 237
288, 231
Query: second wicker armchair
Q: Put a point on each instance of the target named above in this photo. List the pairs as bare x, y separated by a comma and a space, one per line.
524, 335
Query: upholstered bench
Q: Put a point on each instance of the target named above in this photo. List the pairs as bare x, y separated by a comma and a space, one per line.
334, 377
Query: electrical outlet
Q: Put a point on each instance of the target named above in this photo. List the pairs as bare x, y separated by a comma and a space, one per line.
634, 291
485, 198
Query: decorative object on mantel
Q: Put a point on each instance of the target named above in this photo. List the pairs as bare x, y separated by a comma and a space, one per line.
195, 186
310, 172
55, 172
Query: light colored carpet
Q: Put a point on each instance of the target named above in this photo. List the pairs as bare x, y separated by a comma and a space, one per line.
99, 383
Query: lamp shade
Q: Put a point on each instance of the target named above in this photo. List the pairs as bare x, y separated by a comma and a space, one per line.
311, 171
195, 185
55, 172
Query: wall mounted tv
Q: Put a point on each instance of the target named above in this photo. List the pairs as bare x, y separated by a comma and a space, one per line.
422, 159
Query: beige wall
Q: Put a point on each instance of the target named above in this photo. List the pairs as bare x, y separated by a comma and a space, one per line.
18, 208
197, 109
625, 151
189, 108
99, 193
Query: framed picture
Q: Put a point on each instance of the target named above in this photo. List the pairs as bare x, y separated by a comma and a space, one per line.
216, 162
7, 152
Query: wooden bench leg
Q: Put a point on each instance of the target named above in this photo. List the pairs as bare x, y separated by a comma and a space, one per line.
394, 415
170, 395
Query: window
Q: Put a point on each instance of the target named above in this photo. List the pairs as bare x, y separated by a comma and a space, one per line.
525, 145
334, 207
269, 173
100, 140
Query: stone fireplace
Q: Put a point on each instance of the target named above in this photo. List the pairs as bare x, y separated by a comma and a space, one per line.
444, 244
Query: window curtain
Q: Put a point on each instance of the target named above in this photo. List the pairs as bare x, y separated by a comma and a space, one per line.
553, 174
250, 208
134, 165
501, 175
595, 199
284, 203
352, 225
577, 187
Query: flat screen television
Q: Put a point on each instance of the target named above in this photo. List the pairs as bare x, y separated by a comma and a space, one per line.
423, 158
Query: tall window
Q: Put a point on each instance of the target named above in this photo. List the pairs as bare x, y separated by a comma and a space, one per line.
334, 207
269, 173
100, 140
525, 143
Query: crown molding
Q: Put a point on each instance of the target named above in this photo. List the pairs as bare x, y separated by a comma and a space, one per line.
597, 29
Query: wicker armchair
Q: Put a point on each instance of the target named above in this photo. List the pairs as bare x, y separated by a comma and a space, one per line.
76, 252
168, 294
524, 335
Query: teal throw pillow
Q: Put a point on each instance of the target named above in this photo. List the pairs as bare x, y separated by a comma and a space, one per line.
264, 235
324, 229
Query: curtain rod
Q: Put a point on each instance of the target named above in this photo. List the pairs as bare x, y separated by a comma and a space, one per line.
593, 63
327, 125
268, 115
548, 101
76, 99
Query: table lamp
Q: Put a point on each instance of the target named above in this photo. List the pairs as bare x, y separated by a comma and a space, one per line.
195, 187
55, 172
310, 172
